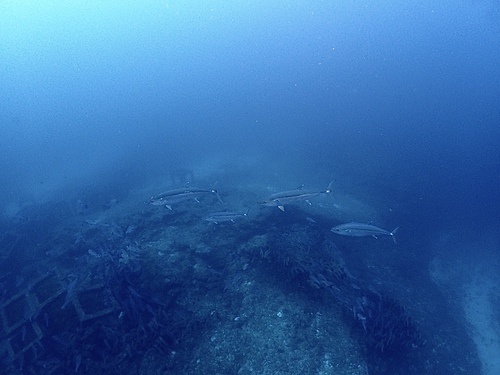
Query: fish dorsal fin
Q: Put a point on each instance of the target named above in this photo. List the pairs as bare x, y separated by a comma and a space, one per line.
218, 196
282, 208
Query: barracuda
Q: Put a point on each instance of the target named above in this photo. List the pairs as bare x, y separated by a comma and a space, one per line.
180, 195
363, 230
291, 196
220, 217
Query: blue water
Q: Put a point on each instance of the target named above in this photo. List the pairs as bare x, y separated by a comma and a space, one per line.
102, 102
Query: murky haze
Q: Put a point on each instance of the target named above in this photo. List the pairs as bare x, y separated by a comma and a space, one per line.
398, 103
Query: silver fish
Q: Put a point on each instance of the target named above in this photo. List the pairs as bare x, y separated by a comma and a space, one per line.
291, 196
180, 195
363, 230
220, 217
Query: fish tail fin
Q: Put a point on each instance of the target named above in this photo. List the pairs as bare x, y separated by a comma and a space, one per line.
219, 198
329, 188
393, 234
216, 192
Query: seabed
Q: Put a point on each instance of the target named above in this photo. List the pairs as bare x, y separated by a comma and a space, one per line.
147, 290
